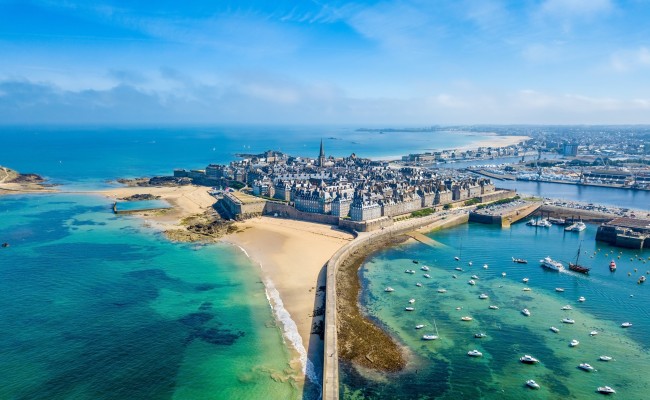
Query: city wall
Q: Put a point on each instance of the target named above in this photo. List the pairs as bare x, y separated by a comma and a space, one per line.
286, 211
331, 361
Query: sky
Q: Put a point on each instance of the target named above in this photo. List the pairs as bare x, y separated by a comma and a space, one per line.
397, 63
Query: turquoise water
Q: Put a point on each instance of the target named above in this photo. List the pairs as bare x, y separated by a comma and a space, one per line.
441, 369
93, 306
141, 205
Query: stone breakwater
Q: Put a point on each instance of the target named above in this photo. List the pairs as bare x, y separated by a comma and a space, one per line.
358, 249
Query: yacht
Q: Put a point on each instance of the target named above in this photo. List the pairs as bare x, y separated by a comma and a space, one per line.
576, 227
525, 280
471, 282
466, 318
568, 321
605, 358
519, 260
480, 335
574, 343
389, 289
586, 367
626, 324
581, 299
483, 296
528, 359
494, 307
419, 326
474, 353
532, 384
554, 329
429, 337
424, 268
441, 290
606, 390
525, 312
551, 264
567, 307
409, 309
559, 289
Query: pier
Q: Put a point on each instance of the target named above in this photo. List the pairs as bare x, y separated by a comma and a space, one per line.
505, 215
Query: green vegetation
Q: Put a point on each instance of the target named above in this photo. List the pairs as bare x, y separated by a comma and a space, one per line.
471, 202
422, 213
447, 206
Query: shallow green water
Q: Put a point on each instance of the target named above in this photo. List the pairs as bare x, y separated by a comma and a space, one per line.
442, 369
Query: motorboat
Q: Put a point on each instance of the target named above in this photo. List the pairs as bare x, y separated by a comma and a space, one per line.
459, 308
574, 343
419, 326
532, 384
494, 307
626, 324
586, 367
457, 258
454, 276
593, 333
427, 276
540, 223
409, 271
466, 318
429, 337
480, 335
458, 269
612, 266
581, 299
474, 353
409, 308
525, 280
474, 277
605, 358
519, 260
568, 321
389, 289
411, 301
525, 312
526, 359
418, 284
606, 390
469, 263
441, 290
424, 268
559, 289
503, 274
483, 296
641, 279
549, 263
554, 329
526, 289
485, 266
576, 227
471, 282
416, 262
567, 307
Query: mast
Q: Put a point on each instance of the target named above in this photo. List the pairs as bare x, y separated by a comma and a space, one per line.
578, 255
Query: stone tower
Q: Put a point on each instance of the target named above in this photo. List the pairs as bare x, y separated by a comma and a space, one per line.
321, 155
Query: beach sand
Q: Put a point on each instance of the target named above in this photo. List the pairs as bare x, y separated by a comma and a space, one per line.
494, 141
292, 255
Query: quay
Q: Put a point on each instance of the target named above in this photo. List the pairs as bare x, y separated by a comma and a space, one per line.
505, 215
633, 233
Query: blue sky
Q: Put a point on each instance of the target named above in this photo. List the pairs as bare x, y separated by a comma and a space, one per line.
409, 62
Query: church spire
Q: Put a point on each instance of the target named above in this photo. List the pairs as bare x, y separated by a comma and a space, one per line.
321, 155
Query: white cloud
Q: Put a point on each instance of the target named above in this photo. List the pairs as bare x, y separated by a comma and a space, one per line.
629, 60
576, 8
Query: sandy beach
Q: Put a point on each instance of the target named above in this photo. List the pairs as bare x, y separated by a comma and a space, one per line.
292, 255
494, 141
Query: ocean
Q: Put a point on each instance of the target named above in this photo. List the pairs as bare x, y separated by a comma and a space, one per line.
441, 369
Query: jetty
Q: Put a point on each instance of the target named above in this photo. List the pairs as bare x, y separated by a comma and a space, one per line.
424, 239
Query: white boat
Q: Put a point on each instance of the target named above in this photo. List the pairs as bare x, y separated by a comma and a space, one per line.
605, 358
574, 343
427, 276
532, 384
485, 266
389, 289
586, 367
471, 282
454, 276
483, 296
549, 263
429, 337
567, 307
525, 312
466, 318
424, 268
576, 227
526, 289
469, 263
554, 329
503, 274
409, 271
526, 359
418, 284
568, 321
409, 309
626, 324
606, 390
458, 269
411, 301
541, 223
474, 353
494, 307
474, 277
441, 290
559, 289
593, 333
525, 280
459, 308
456, 258
581, 299
419, 326
480, 335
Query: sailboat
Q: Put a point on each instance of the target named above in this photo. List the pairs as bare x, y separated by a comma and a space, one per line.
577, 267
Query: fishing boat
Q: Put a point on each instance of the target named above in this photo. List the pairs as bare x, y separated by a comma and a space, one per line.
526, 359
532, 384
389, 289
577, 267
474, 353
612, 266
586, 367
574, 343
568, 321
626, 324
549, 263
519, 260
525, 312
605, 358
493, 307
554, 329
483, 296
606, 390
429, 337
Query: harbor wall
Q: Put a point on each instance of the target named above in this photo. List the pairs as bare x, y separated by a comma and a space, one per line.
331, 361
286, 211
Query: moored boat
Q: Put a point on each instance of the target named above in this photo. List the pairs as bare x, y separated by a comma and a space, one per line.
612, 266
480, 335
581, 299
474, 277
424, 268
409, 271
525, 312
474, 353
519, 260
389, 289
409, 308
567, 307
493, 307
568, 321
471, 282
466, 318
526, 359
554, 329
429, 337
641, 279
605, 358
532, 384
411, 301
626, 324
559, 289
576, 227
418, 284
419, 326
483, 296
526, 289
586, 367
574, 343
606, 390
427, 276
485, 266
441, 290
